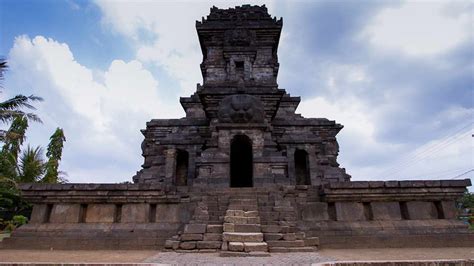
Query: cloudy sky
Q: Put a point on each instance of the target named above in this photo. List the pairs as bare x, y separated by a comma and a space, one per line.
398, 75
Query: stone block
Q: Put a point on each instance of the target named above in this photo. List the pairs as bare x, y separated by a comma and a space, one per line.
286, 244
272, 236
100, 213
235, 219
175, 213
253, 220
234, 213
300, 235
208, 244
317, 211
271, 228
386, 211
236, 246
212, 237
311, 241
172, 244
350, 211
421, 210
190, 237
449, 209
228, 227
65, 213
255, 246
214, 228
247, 228
242, 237
289, 236
195, 228
187, 245
135, 213
38, 215
252, 214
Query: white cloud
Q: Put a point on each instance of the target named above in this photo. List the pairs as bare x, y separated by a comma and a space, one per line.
421, 28
101, 116
164, 34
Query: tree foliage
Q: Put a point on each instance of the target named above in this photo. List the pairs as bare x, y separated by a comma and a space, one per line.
19, 165
467, 201
54, 153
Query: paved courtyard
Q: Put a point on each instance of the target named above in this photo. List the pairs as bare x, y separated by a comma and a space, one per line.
212, 258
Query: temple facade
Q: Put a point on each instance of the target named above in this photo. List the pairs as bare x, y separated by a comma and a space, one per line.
242, 174
240, 129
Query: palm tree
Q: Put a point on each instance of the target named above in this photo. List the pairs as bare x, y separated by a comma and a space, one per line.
31, 165
11, 108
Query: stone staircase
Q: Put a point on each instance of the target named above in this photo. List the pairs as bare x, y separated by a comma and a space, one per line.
203, 233
279, 227
242, 230
243, 222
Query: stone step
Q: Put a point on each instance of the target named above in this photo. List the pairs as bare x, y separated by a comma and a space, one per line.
231, 212
292, 249
243, 201
243, 254
242, 237
212, 237
208, 244
255, 246
195, 228
214, 228
246, 228
274, 229
311, 241
243, 207
241, 220
286, 243
287, 236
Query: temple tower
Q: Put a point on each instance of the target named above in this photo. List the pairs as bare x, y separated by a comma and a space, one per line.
240, 129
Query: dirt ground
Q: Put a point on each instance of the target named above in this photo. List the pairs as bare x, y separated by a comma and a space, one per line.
399, 253
325, 255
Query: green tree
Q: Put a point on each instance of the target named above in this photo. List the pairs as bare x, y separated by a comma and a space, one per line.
11, 109
15, 136
54, 153
11, 148
31, 165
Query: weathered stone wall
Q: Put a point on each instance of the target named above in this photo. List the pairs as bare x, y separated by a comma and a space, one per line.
342, 215
240, 95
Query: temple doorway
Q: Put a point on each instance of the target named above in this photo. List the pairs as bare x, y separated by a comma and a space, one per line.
301, 168
182, 158
241, 162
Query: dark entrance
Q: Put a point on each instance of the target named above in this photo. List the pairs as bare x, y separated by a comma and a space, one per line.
182, 159
301, 168
241, 162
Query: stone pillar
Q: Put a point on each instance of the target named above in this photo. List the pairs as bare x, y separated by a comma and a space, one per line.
313, 166
191, 165
170, 165
290, 154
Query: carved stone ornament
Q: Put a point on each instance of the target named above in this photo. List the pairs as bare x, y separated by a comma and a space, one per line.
240, 108
239, 37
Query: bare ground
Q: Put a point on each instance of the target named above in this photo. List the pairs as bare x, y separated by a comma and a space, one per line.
121, 256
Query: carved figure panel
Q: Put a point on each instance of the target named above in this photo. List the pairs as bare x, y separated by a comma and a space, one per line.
240, 108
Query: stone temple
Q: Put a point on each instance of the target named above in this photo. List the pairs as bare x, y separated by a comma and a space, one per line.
242, 173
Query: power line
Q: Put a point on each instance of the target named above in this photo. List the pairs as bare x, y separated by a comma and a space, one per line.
411, 158
462, 174
427, 153
438, 174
